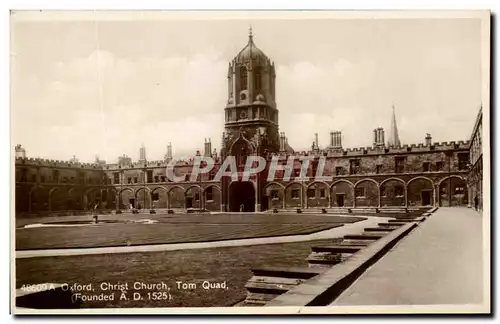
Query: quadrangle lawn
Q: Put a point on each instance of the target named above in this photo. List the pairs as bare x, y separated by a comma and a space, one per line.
229, 264
169, 229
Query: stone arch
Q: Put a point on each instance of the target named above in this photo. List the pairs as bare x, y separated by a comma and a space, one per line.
126, 198
420, 177
420, 191
143, 198
193, 186
274, 183
366, 179
58, 199
294, 195
212, 198
392, 192
112, 198
317, 194
342, 193
213, 186
75, 199
366, 193
176, 197
393, 178
455, 187
22, 199
449, 177
193, 195
159, 197
275, 194
39, 199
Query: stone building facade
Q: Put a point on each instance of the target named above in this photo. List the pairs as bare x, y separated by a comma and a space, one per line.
384, 175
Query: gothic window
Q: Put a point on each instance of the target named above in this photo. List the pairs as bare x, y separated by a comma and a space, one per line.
322, 193
116, 176
426, 166
274, 194
258, 79
244, 78
354, 166
359, 192
399, 164
398, 191
311, 193
295, 193
240, 151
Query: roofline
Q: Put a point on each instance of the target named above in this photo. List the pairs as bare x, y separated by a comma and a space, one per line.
479, 118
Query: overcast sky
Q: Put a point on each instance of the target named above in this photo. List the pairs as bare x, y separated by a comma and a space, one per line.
101, 87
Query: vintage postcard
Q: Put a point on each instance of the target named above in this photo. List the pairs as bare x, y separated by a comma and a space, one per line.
205, 162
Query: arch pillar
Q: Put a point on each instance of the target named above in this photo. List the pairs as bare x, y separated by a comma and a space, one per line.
380, 196
353, 197
406, 196
29, 201
435, 191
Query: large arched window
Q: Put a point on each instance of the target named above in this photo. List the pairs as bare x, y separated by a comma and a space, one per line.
241, 151
244, 78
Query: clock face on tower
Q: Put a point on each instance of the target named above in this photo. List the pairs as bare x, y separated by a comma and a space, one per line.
243, 114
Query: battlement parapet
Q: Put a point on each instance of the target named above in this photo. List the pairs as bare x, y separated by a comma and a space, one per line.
41, 162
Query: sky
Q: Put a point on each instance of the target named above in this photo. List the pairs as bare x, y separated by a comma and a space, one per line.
102, 86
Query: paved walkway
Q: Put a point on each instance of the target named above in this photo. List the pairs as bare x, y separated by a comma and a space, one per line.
353, 228
440, 262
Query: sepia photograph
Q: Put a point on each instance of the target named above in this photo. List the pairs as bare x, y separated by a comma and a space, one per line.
250, 162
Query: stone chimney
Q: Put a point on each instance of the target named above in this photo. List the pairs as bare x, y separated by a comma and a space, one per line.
316, 142
282, 141
378, 137
142, 153
208, 147
336, 139
428, 139
20, 152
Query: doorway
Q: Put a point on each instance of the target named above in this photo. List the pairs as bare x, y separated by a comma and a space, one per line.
131, 202
189, 202
426, 197
242, 194
340, 200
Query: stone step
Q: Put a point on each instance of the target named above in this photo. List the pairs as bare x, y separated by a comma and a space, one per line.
337, 248
402, 220
379, 229
287, 272
362, 243
394, 225
258, 299
366, 236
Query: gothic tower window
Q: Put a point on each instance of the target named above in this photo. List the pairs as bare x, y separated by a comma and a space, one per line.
240, 151
258, 79
244, 78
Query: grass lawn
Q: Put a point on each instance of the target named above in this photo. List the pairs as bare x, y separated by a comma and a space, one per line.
169, 229
229, 264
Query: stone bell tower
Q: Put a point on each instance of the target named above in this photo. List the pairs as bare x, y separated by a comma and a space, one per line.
251, 118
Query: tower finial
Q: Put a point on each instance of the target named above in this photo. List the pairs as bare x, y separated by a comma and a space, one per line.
250, 35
